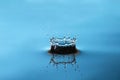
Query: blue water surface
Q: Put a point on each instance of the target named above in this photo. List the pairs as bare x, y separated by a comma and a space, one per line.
27, 25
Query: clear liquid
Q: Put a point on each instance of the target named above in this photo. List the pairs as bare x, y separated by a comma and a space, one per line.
66, 41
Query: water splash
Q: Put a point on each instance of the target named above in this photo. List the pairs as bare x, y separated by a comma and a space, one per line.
65, 45
63, 51
65, 41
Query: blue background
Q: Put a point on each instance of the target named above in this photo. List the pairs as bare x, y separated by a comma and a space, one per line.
27, 25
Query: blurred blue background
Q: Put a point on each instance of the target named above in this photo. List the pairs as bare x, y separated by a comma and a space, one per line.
27, 25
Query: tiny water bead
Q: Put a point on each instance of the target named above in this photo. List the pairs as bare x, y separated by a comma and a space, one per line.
65, 45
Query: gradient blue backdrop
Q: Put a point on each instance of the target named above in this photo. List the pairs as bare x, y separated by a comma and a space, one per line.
27, 25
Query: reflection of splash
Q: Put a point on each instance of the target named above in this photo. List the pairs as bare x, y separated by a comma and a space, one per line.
64, 60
